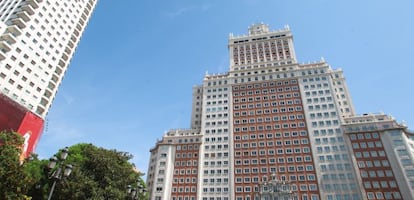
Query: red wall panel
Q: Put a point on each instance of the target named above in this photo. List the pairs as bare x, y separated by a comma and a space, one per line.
14, 117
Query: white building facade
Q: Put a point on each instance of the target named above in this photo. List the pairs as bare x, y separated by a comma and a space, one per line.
37, 41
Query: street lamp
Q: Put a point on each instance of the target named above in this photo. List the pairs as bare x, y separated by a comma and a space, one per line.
274, 189
133, 193
60, 170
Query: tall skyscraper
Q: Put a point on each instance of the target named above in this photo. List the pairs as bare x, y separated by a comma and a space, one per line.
270, 128
37, 42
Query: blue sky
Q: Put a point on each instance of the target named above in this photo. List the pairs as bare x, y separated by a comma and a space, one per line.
132, 75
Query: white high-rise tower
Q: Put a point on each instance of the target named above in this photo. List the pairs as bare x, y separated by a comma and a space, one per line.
37, 41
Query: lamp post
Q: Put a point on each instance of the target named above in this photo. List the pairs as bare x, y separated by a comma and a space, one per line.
59, 170
274, 189
133, 193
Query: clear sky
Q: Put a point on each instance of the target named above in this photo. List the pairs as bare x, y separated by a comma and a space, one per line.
132, 75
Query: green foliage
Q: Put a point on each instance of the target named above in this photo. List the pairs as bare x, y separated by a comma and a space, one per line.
98, 174
38, 182
14, 180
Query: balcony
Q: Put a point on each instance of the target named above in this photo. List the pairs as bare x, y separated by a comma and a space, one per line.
78, 28
28, 8
47, 93
70, 44
2, 55
40, 110
73, 39
51, 86
44, 102
65, 56
81, 22
76, 32
23, 15
62, 64
33, 3
58, 70
83, 17
9, 37
55, 78
4, 46
19, 22
68, 50
14, 30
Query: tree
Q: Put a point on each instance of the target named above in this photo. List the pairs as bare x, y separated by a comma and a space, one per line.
98, 174
38, 172
14, 179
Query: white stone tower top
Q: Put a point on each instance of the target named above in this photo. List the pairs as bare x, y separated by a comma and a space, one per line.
261, 47
256, 29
